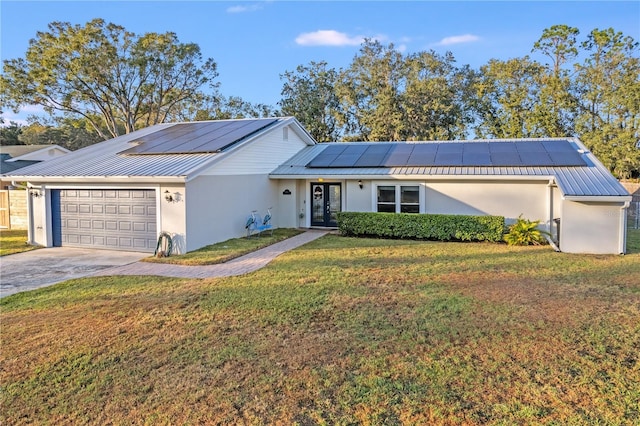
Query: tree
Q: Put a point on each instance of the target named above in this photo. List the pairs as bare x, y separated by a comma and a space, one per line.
370, 94
507, 93
115, 80
10, 135
433, 101
609, 86
557, 104
308, 94
223, 108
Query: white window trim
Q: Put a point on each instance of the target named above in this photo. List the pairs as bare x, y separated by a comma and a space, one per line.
421, 194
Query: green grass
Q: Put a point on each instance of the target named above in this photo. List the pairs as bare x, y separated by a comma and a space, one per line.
339, 331
633, 240
14, 241
227, 250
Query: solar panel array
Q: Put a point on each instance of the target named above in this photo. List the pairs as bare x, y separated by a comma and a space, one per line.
198, 137
449, 154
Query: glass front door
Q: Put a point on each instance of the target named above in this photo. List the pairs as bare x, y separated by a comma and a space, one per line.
326, 202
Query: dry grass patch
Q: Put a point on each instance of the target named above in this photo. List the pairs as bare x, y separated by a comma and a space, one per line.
339, 331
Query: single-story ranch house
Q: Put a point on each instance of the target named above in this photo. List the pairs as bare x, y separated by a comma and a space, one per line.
199, 181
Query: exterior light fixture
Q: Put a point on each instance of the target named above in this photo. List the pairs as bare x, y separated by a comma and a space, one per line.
360, 184
168, 196
35, 193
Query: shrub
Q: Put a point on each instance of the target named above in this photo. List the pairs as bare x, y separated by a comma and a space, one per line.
525, 232
422, 226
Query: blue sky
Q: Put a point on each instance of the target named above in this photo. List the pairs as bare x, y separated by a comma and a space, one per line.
254, 42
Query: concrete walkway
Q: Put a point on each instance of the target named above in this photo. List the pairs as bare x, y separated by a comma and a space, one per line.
239, 266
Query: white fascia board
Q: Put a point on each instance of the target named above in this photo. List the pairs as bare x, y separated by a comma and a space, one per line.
599, 198
100, 179
541, 178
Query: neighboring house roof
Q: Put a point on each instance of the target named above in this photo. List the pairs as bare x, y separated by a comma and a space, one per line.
14, 157
578, 173
170, 151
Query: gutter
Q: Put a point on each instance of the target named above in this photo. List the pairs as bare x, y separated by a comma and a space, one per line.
599, 198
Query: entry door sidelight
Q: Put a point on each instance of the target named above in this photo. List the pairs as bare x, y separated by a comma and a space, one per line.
326, 202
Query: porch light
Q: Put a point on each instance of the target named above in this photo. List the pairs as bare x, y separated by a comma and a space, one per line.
168, 196
35, 193
360, 184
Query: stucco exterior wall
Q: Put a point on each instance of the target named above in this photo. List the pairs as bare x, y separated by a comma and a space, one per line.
173, 215
288, 200
508, 199
588, 227
39, 223
217, 206
359, 200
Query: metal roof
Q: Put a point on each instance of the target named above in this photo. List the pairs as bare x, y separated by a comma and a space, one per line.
590, 180
107, 159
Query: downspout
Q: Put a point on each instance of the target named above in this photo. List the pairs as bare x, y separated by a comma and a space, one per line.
30, 223
550, 186
623, 227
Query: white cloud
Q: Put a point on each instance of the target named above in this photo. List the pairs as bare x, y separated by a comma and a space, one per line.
466, 38
328, 38
243, 8
22, 115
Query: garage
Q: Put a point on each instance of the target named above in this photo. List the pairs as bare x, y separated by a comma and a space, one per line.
114, 219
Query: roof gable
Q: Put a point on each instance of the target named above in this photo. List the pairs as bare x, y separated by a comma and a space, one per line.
110, 159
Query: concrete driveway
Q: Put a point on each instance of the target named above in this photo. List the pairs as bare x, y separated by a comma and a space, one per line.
47, 266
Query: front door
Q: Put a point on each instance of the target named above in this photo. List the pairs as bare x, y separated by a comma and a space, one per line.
326, 202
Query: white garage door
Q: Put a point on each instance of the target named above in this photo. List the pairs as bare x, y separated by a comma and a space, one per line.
110, 219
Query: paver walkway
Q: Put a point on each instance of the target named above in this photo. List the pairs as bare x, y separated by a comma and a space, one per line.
241, 265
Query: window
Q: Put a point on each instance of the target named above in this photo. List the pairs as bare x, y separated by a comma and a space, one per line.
387, 199
409, 199
398, 199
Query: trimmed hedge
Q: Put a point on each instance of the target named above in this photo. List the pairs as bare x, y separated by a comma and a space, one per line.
422, 226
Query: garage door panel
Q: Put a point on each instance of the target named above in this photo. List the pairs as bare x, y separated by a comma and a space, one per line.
113, 219
139, 210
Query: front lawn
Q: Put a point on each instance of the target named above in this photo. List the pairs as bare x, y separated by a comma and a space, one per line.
227, 250
339, 331
14, 241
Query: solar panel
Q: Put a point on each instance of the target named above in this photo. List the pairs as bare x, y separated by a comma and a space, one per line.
535, 159
530, 147
452, 154
476, 159
570, 158
345, 160
198, 137
448, 159
558, 146
505, 159
327, 156
398, 156
447, 147
502, 147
